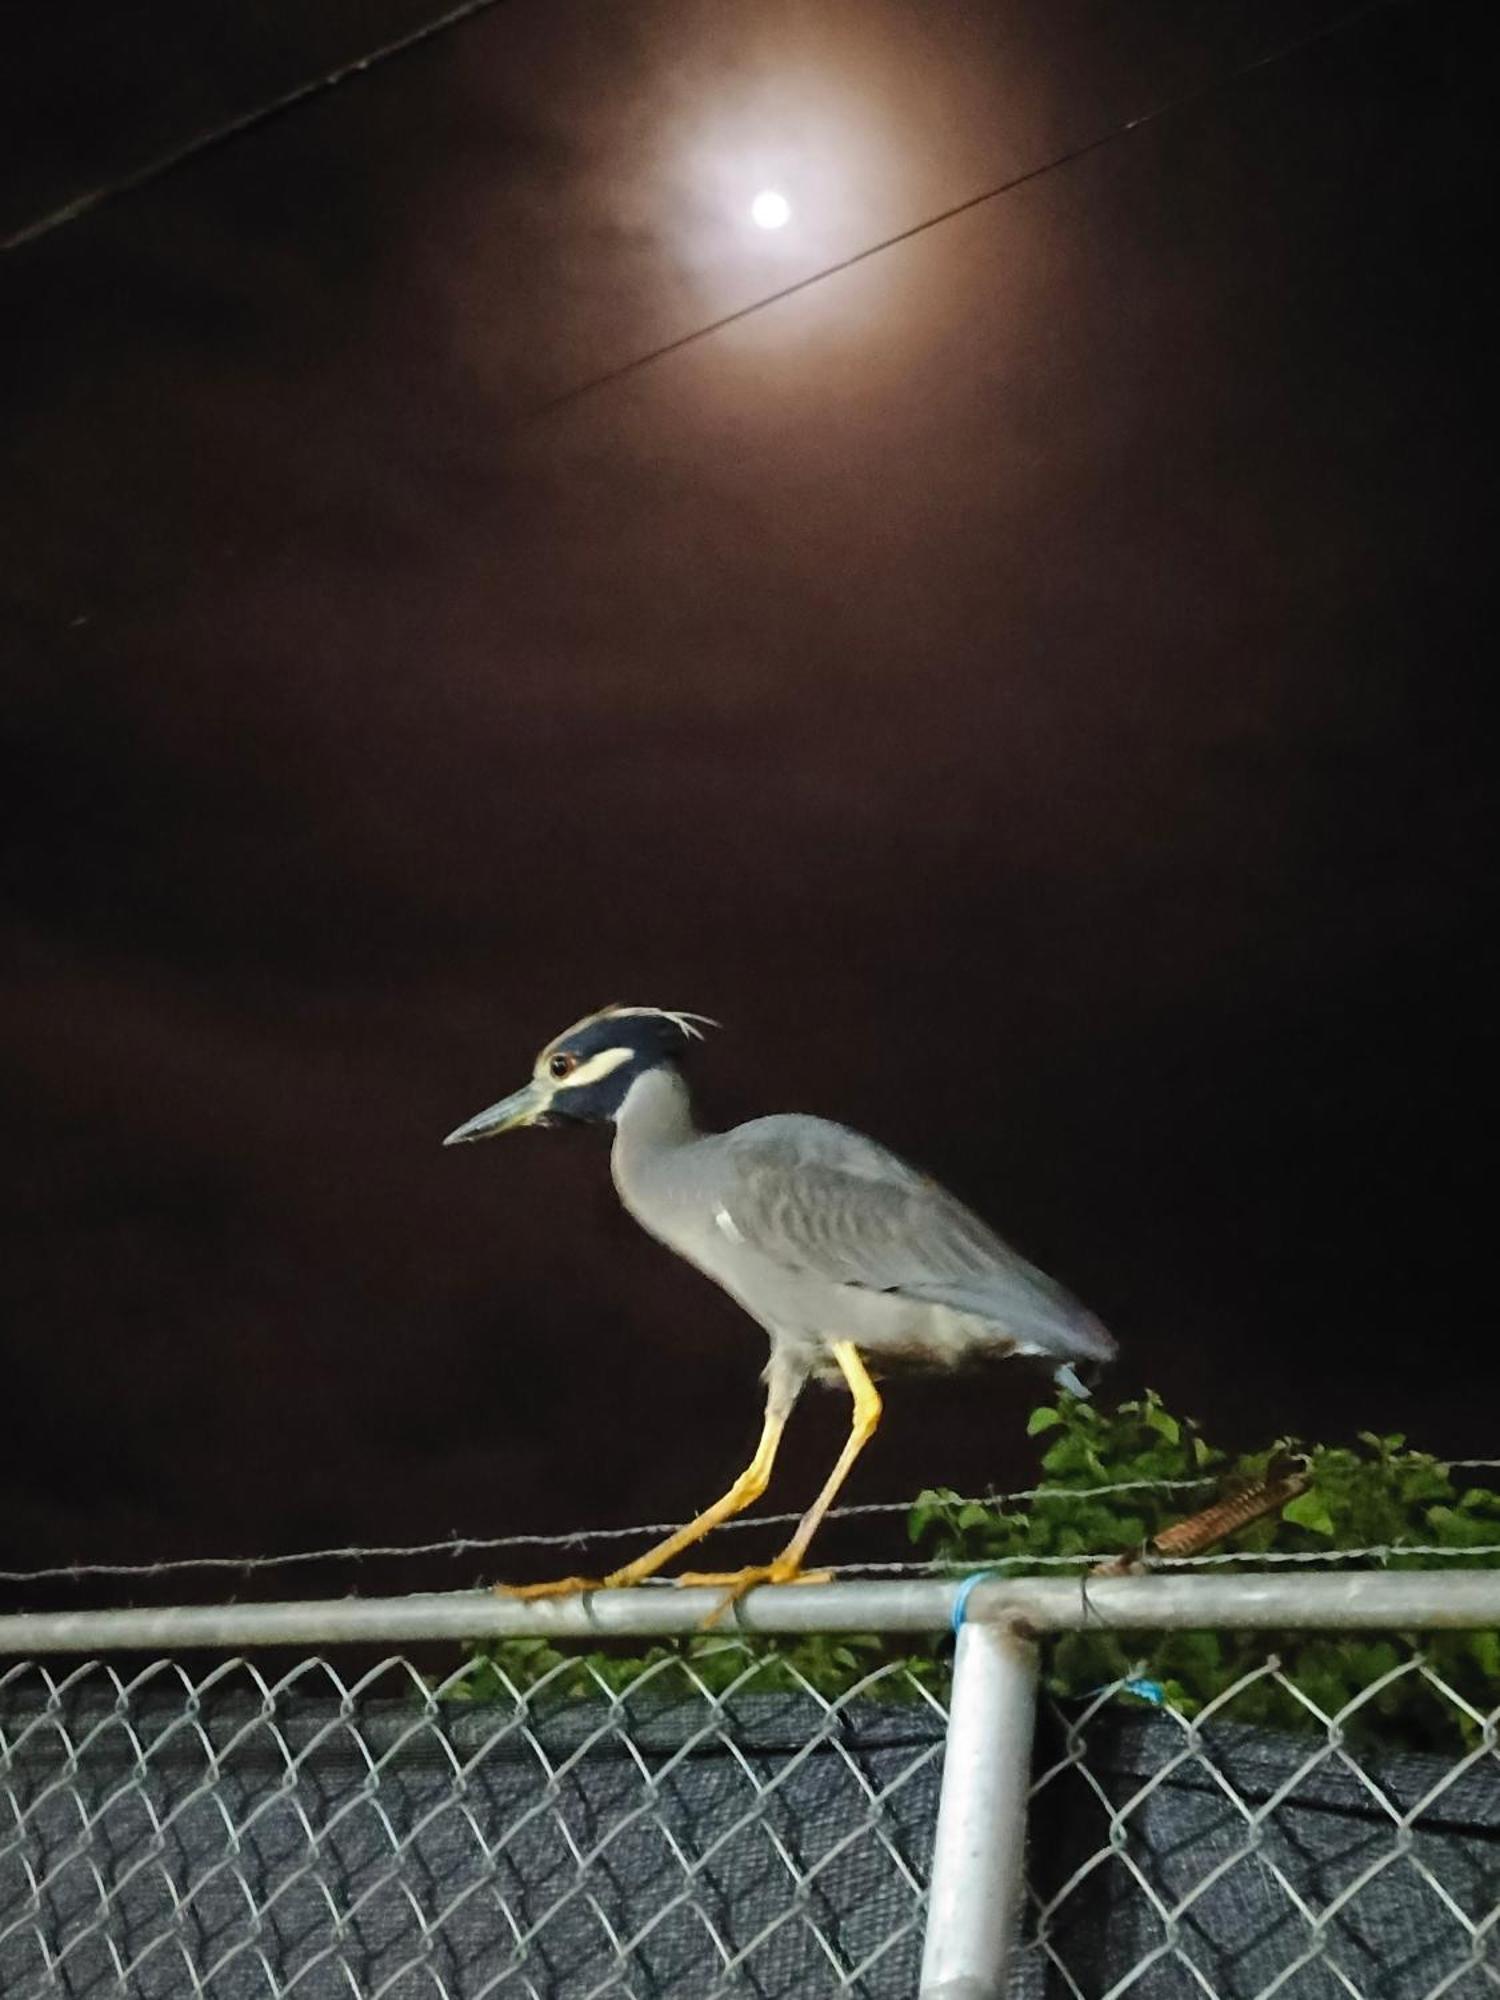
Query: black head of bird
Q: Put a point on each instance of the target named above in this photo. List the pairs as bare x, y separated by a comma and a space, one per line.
584, 1075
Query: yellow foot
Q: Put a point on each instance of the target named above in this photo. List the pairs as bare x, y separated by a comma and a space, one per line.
735, 1582
563, 1586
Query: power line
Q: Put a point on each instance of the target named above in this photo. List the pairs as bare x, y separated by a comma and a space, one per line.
453, 17
1020, 180
248, 121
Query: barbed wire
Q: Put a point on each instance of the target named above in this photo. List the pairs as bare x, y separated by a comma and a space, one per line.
454, 1546
1006, 1566
575, 1538
1002, 1567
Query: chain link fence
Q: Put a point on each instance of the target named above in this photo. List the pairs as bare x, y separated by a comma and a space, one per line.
747, 1815
1217, 1856
315, 1835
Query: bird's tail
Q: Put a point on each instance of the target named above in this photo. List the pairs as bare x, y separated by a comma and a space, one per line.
1038, 1319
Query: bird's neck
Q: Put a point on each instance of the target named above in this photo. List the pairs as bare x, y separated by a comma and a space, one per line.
655, 1118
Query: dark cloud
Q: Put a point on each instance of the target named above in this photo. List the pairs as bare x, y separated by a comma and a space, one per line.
1018, 684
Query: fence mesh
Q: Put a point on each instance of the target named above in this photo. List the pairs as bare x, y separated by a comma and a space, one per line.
234, 1835
695, 1826
1216, 1855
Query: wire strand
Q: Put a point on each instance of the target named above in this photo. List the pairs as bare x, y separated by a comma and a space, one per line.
247, 121
454, 1546
458, 1545
456, 16
1019, 180
1003, 1566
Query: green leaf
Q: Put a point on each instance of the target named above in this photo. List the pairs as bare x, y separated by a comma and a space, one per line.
1164, 1424
1044, 1418
1308, 1510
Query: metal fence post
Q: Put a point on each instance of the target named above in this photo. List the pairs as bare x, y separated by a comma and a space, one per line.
974, 1907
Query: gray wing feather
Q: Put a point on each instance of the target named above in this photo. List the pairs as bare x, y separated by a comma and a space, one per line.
815, 1197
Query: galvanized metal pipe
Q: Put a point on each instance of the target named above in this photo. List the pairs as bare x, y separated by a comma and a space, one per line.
1238, 1600
978, 1851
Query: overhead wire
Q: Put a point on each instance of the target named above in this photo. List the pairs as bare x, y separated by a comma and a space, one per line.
455, 16
246, 121
1022, 179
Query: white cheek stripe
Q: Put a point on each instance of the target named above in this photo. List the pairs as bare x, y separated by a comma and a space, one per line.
597, 1067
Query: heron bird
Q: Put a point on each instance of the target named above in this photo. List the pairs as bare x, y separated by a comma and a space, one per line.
849, 1258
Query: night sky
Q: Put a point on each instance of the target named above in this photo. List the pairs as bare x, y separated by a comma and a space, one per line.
1021, 684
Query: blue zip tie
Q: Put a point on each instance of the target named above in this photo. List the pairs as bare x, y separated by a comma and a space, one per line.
1151, 1691
961, 1599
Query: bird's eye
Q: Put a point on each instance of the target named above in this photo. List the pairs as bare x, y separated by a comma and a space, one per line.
559, 1066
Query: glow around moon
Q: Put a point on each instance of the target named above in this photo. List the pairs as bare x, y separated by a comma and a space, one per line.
770, 210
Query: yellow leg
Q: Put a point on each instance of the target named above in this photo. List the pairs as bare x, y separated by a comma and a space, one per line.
787, 1567
748, 1488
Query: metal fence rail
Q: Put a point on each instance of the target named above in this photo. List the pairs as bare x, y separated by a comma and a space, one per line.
746, 1819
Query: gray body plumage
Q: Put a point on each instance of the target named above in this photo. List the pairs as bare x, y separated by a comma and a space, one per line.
822, 1235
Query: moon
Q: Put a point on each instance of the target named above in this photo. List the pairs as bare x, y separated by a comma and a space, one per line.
770, 210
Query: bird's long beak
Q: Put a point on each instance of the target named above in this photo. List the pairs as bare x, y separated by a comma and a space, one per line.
523, 1107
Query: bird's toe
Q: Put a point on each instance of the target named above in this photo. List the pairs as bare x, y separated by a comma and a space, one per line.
736, 1582
562, 1586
